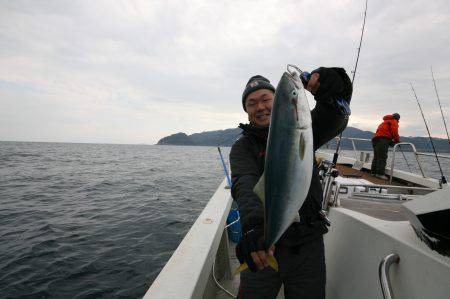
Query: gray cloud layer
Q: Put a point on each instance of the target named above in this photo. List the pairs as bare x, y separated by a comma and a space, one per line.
135, 71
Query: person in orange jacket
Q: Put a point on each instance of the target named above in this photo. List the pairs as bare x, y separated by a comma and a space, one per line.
385, 136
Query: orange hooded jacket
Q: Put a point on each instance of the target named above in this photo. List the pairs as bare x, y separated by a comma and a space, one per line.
388, 128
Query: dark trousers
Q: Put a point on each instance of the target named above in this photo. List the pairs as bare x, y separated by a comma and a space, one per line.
302, 271
380, 155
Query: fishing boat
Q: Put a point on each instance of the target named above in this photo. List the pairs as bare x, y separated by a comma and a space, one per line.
388, 238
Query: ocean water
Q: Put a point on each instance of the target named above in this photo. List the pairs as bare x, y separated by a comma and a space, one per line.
93, 220
100, 221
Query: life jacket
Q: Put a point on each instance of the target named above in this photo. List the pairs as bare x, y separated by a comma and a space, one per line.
388, 129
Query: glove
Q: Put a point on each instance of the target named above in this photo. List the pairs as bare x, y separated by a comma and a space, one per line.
251, 241
334, 84
335, 89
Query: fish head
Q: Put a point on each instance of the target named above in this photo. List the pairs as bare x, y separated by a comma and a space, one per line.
291, 102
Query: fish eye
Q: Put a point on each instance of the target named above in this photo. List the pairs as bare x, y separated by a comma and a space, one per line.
294, 92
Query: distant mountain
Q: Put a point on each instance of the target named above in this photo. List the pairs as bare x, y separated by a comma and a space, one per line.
216, 138
176, 139
228, 136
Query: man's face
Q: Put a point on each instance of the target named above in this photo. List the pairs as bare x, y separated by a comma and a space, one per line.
259, 106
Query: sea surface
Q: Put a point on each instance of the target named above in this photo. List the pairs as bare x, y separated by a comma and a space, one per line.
101, 220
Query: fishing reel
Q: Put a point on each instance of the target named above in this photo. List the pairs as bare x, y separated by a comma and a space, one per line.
326, 169
327, 175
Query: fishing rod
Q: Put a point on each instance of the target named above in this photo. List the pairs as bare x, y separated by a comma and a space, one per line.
444, 181
225, 170
233, 219
331, 173
439, 101
232, 138
222, 141
221, 156
338, 145
360, 43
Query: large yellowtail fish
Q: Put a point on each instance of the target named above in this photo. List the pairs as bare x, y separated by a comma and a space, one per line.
284, 185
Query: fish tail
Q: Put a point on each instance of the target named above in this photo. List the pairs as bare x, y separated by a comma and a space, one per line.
270, 260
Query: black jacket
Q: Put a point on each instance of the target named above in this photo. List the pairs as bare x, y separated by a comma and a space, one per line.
247, 158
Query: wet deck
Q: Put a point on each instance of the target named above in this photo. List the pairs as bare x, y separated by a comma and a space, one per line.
385, 210
347, 171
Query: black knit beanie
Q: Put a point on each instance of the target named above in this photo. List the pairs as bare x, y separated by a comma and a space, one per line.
255, 83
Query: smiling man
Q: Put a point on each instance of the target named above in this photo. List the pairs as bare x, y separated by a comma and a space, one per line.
257, 100
300, 250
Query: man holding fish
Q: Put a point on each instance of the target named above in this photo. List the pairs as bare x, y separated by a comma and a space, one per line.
276, 183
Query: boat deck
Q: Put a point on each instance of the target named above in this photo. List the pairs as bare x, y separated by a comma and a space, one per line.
382, 209
230, 283
391, 211
348, 171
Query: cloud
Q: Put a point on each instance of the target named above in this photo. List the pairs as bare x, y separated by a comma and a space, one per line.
135, 71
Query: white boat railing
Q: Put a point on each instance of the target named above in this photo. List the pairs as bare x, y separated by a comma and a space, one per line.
415, 152
353, 139
398, 174
395, 192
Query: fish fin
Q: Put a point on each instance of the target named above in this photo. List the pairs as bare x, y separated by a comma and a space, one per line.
270, 260
241, 268
259, 188
302, 146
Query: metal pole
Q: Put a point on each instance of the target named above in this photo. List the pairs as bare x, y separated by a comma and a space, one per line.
354, 150
392, 165
406, 160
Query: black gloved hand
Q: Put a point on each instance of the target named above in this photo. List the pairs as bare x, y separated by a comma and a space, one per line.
251, 241
334, 85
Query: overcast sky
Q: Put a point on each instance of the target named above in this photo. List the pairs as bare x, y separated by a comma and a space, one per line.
136, 71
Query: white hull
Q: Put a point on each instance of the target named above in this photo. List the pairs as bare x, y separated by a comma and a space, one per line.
357, 243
